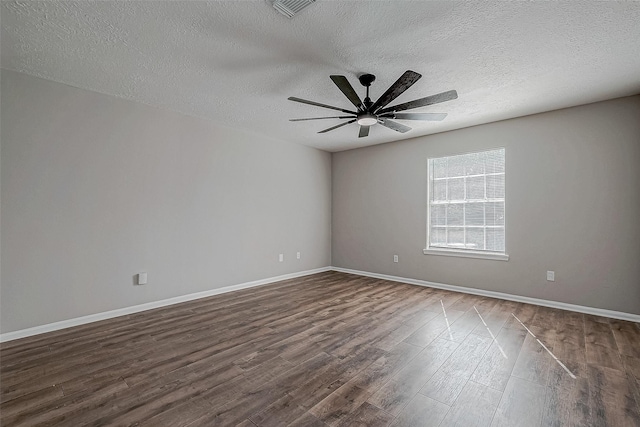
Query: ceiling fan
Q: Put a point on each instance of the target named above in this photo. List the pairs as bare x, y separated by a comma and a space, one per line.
369, 113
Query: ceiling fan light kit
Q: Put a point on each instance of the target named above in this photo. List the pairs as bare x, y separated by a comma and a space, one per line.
367, 119
369, 113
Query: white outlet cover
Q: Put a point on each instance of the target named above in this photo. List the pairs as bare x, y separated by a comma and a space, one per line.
395, 258
142, 278
281, 257
298, 255
551, 276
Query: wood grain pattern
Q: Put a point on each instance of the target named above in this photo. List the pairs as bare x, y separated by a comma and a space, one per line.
421, 411
474, 407
627, 335
612, 396
448, 381
394, 395
494, 369
533, 362
567, 400
522, 404
331, 349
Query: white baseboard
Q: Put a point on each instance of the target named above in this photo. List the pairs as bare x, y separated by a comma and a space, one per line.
36, 330
536, 301
9, 336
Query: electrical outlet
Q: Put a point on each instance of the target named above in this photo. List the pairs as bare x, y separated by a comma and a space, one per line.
395, 258
142, 278
281, 257
298, 255
551, 276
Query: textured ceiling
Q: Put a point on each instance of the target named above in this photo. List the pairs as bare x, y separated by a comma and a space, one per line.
236, 62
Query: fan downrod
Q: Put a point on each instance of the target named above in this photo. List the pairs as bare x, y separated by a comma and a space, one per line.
366, 80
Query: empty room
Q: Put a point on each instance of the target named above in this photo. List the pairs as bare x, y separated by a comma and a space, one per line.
320, 213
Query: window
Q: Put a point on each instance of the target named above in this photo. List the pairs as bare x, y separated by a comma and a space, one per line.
466, 215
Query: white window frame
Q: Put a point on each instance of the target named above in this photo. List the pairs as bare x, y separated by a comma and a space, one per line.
461, 252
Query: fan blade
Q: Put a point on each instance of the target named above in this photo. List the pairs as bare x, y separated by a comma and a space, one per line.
403, 83
337, 126
429, 100
346, 88
321, 118
432, 117
395, 126
317, 104
364, 131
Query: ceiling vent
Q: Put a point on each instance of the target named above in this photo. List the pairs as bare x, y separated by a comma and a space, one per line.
290, 7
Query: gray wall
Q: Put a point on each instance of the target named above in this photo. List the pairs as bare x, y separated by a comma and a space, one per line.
572, 205
95, 189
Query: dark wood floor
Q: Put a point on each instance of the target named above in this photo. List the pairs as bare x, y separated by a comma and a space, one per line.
330, 349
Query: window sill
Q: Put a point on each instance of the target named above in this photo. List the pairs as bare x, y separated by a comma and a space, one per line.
466, 254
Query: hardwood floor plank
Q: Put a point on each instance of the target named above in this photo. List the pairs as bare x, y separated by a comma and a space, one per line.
522, 404
570, 343
484, 305
439, 326
448, 381
461, 327
465, 302
420, 317
495, 320
567, 399
546, 317
267, 371
421, 411
632, 365
58, 411
599, 333
27, 402
611, 398
427, 333
367, 415
627, 336
573, 318
240, 409
475, 406
142, 402
246, 423
379, 372
179, 416
282, 412
398, 392
333, 376
494, 370
524, 312
307, 420
307, 372
604, 356
396, 336
533, 363
340, 404
634, 384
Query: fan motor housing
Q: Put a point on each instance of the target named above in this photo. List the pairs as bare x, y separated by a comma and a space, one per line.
367, 79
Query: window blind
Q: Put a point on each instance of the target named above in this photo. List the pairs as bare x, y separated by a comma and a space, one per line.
467, 202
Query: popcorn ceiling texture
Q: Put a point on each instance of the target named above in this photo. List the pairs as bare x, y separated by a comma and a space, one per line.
236, 62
